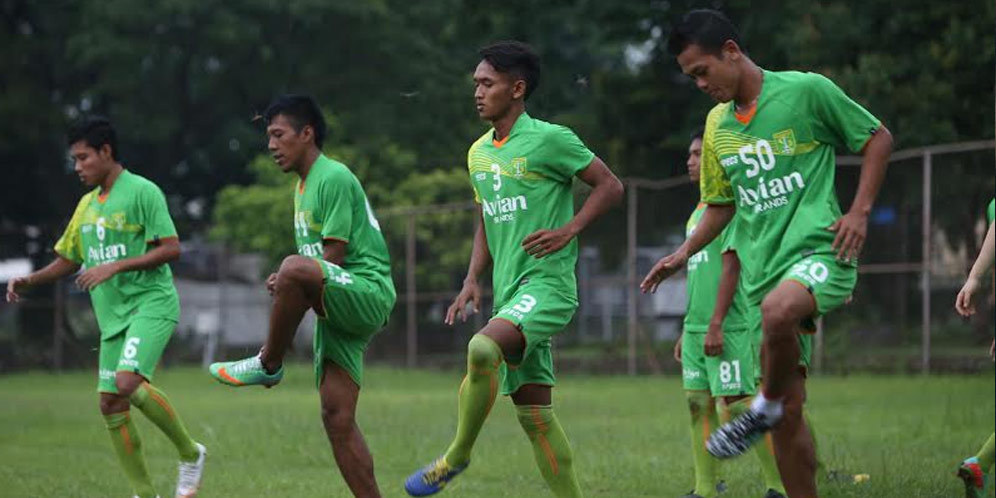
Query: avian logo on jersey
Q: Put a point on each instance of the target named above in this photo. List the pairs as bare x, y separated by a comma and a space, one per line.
503, 209
770, 194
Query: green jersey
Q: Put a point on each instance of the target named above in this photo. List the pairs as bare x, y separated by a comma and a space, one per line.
119, 225
991, 212
523, 184
705, 268
778, 167
329, 204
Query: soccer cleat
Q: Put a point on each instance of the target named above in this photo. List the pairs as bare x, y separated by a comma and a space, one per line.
432, 478
736, 437
247, 372
773, 494
189, 480
975, 480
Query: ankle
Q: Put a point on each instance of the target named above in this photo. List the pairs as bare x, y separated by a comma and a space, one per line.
771, 409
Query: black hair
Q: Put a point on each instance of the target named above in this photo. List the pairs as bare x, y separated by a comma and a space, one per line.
515, 58
697, 134
301, 111
96, 131
709, 29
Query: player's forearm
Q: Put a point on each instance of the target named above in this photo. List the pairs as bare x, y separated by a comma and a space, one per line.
604, 196
480, 255
985, 260
59, 267
607, 192
728, 283
714, 220
167, 250
874, 163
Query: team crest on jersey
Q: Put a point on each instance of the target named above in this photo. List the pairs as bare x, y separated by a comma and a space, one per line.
785, 140
117, 221
519, 167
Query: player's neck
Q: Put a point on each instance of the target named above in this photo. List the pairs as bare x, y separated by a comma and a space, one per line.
503, 125
309, 159
750, 86
112, 176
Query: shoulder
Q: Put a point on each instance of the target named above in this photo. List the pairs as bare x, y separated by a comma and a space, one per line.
805, 82
143, 185
713, 118
330, 172
480, 141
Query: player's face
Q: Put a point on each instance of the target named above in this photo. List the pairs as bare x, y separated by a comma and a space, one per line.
694, 159
92, 165
287, 145
717, 76
494, 92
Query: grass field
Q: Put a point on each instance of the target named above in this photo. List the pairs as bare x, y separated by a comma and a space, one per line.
630, 436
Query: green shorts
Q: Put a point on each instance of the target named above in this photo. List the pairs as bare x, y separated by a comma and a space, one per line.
829, 281
539, 311
137, 349
732, 373
354, 310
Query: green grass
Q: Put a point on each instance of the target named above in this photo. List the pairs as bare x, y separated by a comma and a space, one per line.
630, 436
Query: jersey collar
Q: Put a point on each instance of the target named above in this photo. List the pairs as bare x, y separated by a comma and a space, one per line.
520, 121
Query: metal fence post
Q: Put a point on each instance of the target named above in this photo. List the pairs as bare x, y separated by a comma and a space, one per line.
411, 324
632, 296
927, 261
58, 324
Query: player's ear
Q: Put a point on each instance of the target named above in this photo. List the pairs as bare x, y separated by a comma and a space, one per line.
105, 152
731, 50
519, 89
307, 133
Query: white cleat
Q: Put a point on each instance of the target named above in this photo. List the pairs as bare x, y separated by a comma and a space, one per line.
189, 480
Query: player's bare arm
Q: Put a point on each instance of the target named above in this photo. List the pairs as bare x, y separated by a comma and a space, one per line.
728, 282
163, 252
852, 228
334, 251
714, 220
963, 303
58, 268
480, 260
607, 192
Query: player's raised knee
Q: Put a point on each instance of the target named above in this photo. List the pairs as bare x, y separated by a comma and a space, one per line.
483, 352
296, 269
127, 383
777, 318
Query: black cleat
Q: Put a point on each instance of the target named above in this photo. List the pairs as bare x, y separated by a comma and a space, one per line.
736, 437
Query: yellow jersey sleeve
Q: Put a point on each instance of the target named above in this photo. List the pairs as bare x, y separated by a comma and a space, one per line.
714, 184
69, 245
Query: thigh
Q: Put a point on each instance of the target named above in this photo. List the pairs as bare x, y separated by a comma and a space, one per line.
107, 365
337, 388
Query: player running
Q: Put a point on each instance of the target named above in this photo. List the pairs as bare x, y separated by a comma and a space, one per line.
521, 171
342, 271
974, 471
768, 159
122, 236
718, 350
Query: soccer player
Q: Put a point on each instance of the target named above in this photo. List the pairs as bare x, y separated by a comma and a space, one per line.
768, 159
717, 350
342, 271
975, 470
122, 235
521, 171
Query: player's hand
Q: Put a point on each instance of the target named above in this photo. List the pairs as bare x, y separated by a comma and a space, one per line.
543, 242
713, 344
851, 230
963, 303
677, 350
471, 292
667, 266
15, 286
96, 276
271, 283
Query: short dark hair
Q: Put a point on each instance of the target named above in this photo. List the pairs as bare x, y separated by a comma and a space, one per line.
95, 131
707, 28
515, 58
697, 134
301, 111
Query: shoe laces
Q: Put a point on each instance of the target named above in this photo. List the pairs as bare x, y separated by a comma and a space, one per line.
438, 471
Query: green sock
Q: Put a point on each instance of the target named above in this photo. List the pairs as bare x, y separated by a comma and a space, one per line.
157, 408
551, 448
765, 450
985, 455
476, 397
128, 447
703, 422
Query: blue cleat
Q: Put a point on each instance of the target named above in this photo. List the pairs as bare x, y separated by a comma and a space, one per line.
432, 478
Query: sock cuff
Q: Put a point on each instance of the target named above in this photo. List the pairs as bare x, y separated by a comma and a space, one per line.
116, 420
140, 395
536, 418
